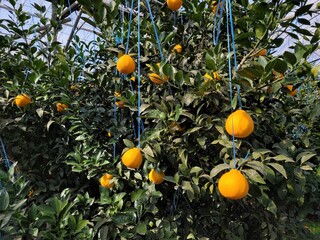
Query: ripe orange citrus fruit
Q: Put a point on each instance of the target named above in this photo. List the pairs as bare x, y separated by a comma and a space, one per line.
132, 158
61, 107
120, 104
156, 177
263, 52
174, 4
214, 6
293, 93
177, 48
240, 124
157, 79
105, 181
154, 77
22, 100
233, 185
215, 74
126, 64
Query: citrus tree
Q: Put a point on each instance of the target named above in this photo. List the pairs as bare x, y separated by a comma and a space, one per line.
103, 152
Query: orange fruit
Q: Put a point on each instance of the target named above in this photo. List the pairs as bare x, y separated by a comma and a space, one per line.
277, 75
132, 158
22, 100
120, 104
157, 79
177, 48
105, 181
207, 77
214, 6
240, 124
233, 185
156, 177
174, 4
262, 52
117, 94
126, 64
61, 107
293, 93
215, 74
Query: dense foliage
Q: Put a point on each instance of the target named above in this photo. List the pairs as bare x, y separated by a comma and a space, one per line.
52, 190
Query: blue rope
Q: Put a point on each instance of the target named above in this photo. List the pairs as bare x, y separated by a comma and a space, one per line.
139, 85
216, 34
155, 29
234, 51
245, 158
129, 27
4, 155
230, 85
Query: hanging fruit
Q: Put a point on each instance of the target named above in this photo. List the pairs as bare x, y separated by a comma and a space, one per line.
156, 177
126, 64
61, 107
105, 181
233, 185
239, 124
22, 100
290, 88
174, 4
132, 158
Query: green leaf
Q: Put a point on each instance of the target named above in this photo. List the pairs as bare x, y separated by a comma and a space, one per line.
268, 203
188, 98
260, 30
315, 71
279, 168
306, 167
196, 170
281, 158
186, 185
280, 66
305, 156
290, 58
137, 194
141, 228
124, 218
302, 10
254, 175
259, 166
304, 21
72, 223
4, 199
219, 168
316, 36
81, 224
210, 61
128, 143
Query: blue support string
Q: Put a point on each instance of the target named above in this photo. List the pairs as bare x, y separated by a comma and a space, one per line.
129, 27
4, 155
234, 51
139, 85
230, 83
155, 29
219, 12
